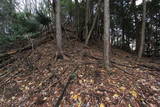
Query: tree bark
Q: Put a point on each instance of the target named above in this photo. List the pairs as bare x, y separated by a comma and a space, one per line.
58, 28
77, 16
93, 24
137, 34
87, 18
106, 34
143, 31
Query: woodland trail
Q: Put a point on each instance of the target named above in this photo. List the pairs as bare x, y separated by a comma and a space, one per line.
36, 79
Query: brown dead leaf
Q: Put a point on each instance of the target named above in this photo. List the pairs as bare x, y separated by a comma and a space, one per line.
133, 93
115, 96
101, 105
76, 96
154, 88
122, 88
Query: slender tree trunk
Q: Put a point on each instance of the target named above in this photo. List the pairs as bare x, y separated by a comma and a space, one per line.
156, 37
143, 31
58, 28
93, 24
122, 24
123, 38
106, 34
87, 18
77, 16
137, 34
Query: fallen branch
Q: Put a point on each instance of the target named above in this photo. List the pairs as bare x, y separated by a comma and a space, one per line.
39, 88
150, 67
9, 61
63, 92
5, 81
122, 70
123, 65
11, 53
65, 88
99, 59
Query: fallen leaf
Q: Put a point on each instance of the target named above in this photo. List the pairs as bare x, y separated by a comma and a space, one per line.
13, 98
80, 81
45, 98
113, 82
133, 93
2, 100
71, 92
107, 99
154, 88
40, 84
26, 88
122, 88
76, 96
115, 96
30, 83
101, 105
152, 105
101, 84
91, 81
129, 105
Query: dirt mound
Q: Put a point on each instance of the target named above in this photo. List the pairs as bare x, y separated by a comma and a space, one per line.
36, 79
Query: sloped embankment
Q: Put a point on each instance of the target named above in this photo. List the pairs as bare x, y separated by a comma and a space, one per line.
36, 79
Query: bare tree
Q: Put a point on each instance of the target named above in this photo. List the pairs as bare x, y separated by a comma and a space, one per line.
77, 8
58, 28
106, 34
93, 24
87, 18
143, 31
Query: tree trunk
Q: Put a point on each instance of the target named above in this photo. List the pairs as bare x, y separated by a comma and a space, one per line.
77, 16
122, 25
87, 18
143, 31
58, 28
137, 34
93, 24
106, 34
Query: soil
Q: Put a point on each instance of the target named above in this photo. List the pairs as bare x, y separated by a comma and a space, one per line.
36, 79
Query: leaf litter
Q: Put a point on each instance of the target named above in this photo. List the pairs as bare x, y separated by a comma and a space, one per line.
35, 79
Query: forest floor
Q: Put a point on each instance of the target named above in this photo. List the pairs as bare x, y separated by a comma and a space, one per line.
37, 79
